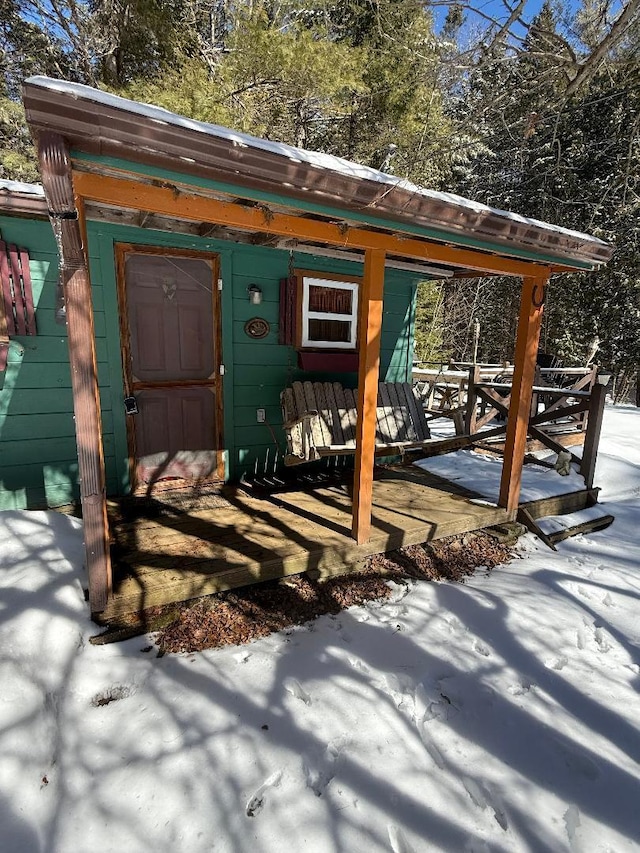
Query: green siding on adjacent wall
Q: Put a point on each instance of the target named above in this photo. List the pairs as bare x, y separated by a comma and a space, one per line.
38, 464
38, 457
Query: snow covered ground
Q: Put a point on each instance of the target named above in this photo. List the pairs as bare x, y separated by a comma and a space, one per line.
481, 473
498, 715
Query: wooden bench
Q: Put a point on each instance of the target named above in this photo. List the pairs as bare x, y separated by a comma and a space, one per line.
319, 419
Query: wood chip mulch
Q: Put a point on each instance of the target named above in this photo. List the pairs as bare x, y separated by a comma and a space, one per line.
243, 615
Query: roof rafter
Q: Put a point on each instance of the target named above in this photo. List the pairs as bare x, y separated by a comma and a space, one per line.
172, 201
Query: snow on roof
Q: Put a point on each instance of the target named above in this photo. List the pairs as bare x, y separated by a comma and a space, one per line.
314, 158
19, 187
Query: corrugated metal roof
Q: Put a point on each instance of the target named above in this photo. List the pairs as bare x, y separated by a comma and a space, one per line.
22, 199
98, 123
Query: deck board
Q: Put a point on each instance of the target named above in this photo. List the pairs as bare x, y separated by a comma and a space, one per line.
185, 554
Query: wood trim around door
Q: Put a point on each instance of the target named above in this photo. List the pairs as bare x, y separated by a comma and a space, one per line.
121, 251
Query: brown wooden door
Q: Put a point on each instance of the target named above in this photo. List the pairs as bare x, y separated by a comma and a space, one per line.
171, 353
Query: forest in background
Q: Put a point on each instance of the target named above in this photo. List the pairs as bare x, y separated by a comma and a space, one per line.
527, 107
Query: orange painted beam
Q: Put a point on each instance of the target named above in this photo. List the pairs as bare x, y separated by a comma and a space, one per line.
369, 333
172, 201
529, 322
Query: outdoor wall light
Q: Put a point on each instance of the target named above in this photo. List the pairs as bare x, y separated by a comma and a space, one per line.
255, 294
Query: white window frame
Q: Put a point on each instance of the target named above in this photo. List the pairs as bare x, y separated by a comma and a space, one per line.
353, 287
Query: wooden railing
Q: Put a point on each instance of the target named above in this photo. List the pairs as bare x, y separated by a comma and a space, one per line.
567, 405
445, 392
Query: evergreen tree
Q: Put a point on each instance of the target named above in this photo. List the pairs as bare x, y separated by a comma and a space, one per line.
569, 159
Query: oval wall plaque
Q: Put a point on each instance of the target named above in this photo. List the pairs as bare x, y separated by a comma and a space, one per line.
257, 328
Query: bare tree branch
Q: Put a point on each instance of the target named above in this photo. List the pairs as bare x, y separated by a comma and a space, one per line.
590, 65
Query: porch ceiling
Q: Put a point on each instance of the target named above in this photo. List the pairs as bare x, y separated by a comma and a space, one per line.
157, 222
129, 191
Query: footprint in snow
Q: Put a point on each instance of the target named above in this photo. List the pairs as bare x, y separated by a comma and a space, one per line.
433, 703
256, 802
455, 625
433, 750
398, 840
292, 686
336, 625
481, 648
483, 797
319, 780
600, 637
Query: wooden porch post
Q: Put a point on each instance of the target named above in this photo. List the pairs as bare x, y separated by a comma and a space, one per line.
531, 305
370, 328
56, 170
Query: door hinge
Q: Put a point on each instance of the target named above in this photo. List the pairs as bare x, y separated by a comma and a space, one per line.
222, 370
219, 284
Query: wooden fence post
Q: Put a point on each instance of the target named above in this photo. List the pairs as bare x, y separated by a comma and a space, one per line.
470, 416
592, 434
583, 420
537, 380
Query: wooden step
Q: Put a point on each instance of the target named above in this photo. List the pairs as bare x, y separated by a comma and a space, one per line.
559, 527
572, 518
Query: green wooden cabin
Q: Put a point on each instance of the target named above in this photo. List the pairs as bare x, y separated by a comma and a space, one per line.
202, 271
38, 455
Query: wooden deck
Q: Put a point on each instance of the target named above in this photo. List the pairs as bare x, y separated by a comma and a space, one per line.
182, 554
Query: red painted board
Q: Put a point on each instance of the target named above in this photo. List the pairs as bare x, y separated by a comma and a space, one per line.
6, 290
28, 293
18, 299
328, 362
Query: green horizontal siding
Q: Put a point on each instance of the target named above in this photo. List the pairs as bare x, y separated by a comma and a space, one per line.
243, 311
38, 461
39, 349
54, 425
38, 455
50, 400
46, 452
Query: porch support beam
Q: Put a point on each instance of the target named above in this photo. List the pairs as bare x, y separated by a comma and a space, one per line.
55, 168
176, 202
370, 329
529, 322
